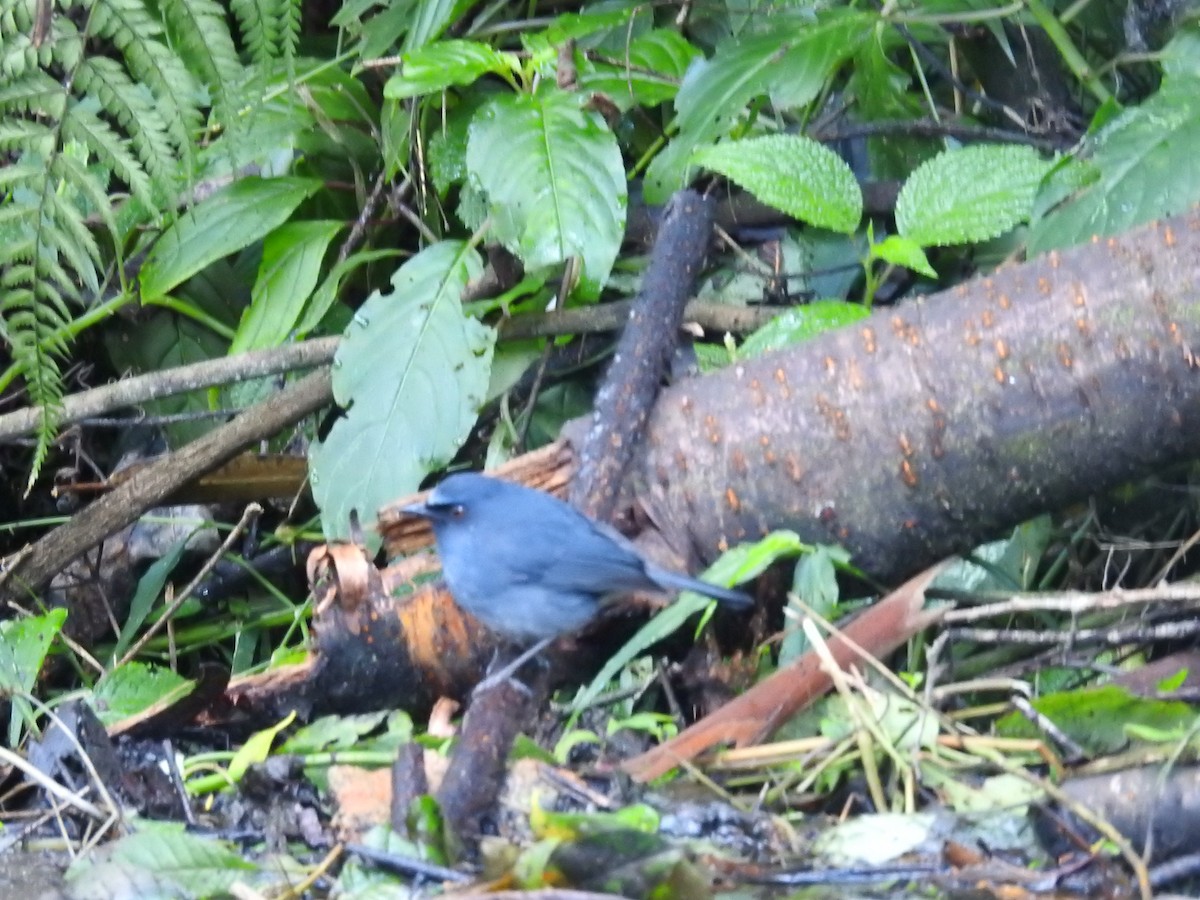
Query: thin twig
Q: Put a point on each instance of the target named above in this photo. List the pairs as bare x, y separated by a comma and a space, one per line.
253, 511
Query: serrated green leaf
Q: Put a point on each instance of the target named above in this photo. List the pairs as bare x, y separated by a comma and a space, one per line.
791, 173
413, 369
792, 64
802, 323
554, 182
229, 220
160, 862
1144, 167
149, 587
967, 195
287, 274
447, 63
902, 251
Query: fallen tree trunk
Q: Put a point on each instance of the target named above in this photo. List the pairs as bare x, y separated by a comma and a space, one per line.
925, 430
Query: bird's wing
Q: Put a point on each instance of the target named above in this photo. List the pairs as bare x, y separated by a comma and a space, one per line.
575, 556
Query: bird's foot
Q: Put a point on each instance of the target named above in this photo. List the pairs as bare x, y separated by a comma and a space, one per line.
505, 673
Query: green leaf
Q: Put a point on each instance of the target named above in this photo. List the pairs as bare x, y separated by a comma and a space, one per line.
792, 63
24, 643
326, 295
442, 65
791, 173
257, 748
413, 370
287, 274
554, 182
135, 687
902, 251
229, 220
1141, 166
160, 862
648, 74
150, 586
801, 323
967, 195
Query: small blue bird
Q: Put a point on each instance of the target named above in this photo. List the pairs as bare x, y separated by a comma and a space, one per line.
532, 568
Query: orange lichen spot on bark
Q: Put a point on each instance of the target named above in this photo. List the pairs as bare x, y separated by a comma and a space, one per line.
1168, 236
908, 474
731, 499
1004, 301
785, 390
830, 364
614, 441
1054, 259
1078, 296
1064, 355
988, 320
685, 403
738, 460
973, 337
1173, 328
723, 544
1000, 375
1044, 286
932, 405
868, 336
1001, 349
906, 446
794, 469
909, 524
714, 433
835, 417
1082, 326
855, 376
756, 391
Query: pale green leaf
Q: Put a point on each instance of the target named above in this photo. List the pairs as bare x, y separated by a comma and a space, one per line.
228, 221
967, 195
447, 63
413, 370
801, 323
902, 251
1140, 166
291, 264
554, 182
134, 688
791, 173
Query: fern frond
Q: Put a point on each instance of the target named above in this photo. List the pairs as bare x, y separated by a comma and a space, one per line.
83, 125
34, 93
134, 108
151, 62
201, 35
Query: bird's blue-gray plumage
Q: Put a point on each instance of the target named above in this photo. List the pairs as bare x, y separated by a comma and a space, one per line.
529, 566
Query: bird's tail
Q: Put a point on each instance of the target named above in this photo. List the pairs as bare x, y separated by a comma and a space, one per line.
665, 578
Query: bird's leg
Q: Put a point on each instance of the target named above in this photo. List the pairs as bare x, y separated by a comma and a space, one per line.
495, 678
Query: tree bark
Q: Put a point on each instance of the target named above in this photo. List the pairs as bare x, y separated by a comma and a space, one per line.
925, 430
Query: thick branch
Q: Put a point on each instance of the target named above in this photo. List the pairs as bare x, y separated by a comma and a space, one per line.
923, 431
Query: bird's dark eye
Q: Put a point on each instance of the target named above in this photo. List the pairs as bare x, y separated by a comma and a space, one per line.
458, 510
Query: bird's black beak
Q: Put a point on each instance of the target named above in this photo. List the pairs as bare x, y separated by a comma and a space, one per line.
417, 509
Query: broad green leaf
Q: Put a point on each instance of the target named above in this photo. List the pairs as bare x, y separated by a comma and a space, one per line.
332, 733
431, 18
24, 643
291, 263
412, 370
646, 75
160, 862
224, 223
800, 323
135, 687
902, 251
442, 65
967, 195
792, 62
791, 173
1141, 165
325, 295
553, 180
